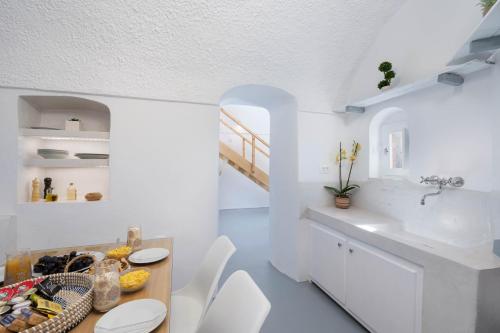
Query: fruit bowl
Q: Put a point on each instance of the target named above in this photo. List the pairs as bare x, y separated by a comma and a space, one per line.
135, 279
119, 253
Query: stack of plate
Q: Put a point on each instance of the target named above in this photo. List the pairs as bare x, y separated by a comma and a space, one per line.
141, 316
91, 156
148, 256
53, 153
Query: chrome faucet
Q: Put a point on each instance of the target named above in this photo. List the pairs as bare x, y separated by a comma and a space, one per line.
441, 183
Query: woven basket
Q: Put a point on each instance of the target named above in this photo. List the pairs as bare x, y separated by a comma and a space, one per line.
76, 297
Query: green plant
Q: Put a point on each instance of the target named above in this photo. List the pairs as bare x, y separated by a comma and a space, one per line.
486, 5
345, 191
389, 74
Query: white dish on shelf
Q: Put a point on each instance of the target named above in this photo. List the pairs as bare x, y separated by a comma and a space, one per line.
142, 316
53, 153
148, 256
92, 156
2, 273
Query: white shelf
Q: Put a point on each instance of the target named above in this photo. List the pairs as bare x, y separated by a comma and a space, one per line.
66, 163
462, 70
64, 135
486, 32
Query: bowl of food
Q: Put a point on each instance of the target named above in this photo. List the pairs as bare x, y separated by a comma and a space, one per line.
135, 279
119, 252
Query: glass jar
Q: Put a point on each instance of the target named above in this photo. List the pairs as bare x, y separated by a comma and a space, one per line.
107, 285
134, 238
17, 266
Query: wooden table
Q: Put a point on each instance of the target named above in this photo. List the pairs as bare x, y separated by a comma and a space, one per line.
159, 286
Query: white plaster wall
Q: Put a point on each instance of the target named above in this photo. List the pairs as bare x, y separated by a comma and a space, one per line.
188, 50
419, 40
155, 180
236, 190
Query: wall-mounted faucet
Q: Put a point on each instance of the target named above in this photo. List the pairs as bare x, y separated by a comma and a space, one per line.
441, 183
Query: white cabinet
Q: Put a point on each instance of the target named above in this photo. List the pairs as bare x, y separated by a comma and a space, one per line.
383, 291
328, 267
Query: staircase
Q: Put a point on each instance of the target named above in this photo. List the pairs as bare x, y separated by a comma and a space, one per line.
239, 159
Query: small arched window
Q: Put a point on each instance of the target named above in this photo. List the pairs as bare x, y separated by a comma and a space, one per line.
389, 144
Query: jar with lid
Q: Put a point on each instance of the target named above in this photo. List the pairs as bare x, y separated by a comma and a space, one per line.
134, 238
107, 285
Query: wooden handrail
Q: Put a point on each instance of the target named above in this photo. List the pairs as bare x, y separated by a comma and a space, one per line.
225, 123
245, 140
230, 116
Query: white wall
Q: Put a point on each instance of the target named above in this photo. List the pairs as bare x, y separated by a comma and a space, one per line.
155, 180
420, 39
236, 190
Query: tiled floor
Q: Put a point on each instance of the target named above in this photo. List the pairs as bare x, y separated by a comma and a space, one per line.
296, 307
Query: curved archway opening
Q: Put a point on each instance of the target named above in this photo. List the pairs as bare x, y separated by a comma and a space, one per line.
283, 169
389, 140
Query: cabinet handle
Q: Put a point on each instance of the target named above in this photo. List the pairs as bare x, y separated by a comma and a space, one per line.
339, 244
351, 250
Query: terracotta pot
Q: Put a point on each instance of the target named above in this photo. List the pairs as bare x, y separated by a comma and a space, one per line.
342, 202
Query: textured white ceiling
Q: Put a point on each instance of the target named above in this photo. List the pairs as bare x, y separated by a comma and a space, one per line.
188, 50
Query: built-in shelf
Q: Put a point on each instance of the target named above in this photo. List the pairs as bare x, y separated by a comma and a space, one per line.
66, 163
484, 40
452, 75
64, 135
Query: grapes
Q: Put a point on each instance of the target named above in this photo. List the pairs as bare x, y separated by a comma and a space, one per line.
47, 265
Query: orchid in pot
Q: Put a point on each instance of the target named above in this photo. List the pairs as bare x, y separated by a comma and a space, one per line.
343, 192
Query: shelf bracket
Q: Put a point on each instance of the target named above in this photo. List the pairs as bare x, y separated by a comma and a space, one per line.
485, 44
451, 79
354, 109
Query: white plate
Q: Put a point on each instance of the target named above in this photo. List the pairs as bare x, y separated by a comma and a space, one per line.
141, 316
99, 256
147, 256
2, 273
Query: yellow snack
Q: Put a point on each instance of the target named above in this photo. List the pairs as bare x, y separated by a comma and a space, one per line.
119, 253
134, 279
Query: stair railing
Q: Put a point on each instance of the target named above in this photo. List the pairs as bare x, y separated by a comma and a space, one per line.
253, 141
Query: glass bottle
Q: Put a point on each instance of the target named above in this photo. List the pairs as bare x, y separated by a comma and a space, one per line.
71, 192
107, 285
134, 238
17, 266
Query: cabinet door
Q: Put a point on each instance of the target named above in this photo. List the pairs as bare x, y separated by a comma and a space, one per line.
384, 291
327, 262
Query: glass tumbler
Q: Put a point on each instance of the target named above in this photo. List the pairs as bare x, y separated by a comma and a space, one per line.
134, 237
107, 285
17, 266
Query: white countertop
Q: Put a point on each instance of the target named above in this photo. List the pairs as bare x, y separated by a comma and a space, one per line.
390, 235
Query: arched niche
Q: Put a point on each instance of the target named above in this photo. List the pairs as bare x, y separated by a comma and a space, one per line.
389, 143
284, 190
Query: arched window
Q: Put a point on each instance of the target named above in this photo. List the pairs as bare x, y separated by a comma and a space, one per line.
389, 144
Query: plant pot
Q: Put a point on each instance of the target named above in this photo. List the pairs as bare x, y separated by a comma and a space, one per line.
342, 202
73, 126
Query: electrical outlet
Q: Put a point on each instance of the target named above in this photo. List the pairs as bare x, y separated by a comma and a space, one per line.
324, 169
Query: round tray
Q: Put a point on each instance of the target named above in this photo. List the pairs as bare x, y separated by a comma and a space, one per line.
76, 298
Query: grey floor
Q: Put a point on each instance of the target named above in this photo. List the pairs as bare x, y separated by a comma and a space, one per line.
296, 307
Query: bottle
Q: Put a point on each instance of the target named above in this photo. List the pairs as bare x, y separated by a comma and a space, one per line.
35, 189
71, 192
48, 194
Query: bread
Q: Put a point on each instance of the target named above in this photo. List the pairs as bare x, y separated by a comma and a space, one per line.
93, 196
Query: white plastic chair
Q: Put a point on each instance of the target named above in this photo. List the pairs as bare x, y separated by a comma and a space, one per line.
240, 307
189, 304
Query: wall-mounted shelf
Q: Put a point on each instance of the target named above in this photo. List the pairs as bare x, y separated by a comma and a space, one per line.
66, 163
64, 135
484, 41
450, 76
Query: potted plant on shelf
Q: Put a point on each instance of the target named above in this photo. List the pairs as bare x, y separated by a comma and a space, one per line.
73, 125
389, 75
343, 193
486, 5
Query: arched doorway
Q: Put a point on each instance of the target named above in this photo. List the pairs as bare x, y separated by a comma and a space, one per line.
283, 169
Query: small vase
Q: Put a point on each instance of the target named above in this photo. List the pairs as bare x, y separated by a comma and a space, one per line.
342, 202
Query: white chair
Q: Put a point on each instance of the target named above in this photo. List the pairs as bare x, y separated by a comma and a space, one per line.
189, 304
240, 307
